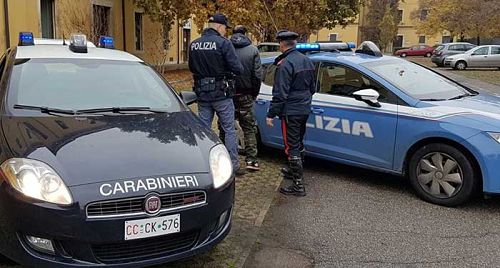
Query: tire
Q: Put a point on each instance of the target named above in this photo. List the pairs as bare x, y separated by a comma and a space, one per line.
461, 65
448, 183
403, 55
428, 55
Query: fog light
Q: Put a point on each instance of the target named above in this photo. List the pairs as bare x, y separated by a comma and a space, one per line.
41, 244
222, 219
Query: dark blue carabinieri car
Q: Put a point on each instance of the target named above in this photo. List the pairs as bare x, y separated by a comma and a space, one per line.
102, 164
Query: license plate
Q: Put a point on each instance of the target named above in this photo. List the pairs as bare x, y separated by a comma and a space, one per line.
152, 227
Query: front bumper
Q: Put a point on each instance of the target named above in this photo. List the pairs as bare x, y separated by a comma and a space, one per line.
82, 242
436, 59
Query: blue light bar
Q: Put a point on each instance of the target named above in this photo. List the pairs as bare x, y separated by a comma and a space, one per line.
26, 39
106, 42
345, 46
307, 47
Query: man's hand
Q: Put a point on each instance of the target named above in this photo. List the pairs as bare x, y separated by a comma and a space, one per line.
269, 122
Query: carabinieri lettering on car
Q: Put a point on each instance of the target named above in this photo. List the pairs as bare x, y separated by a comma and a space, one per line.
149, 184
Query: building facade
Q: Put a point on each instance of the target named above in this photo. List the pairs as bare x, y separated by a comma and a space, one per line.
407, 33
132, 30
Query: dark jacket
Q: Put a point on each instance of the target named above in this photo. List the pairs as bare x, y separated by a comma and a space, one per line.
248, 83
294, 85
213, 60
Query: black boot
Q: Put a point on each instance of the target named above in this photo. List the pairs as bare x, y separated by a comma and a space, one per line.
297, 188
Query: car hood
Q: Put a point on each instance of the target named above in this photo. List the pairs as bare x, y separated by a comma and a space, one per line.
94, 149
484, 109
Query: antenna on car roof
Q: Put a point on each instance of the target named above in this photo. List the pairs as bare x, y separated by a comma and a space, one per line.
64, 40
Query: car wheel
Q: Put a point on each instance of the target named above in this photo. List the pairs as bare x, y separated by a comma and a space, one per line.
442, 174
428, 54
461, 65
403, 55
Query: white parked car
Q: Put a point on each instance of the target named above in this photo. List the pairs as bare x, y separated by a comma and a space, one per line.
482, 56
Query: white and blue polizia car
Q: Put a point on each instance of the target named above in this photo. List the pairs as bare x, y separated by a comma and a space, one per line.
389, 114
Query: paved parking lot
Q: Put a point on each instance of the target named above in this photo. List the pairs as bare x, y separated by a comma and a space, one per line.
356, 217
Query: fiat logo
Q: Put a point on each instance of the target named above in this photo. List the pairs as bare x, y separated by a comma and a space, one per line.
152, 204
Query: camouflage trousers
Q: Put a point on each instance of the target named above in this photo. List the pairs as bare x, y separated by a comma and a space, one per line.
243, 106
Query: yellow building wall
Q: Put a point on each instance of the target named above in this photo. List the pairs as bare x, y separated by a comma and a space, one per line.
75, 16
407, 27
347, 34
24, 16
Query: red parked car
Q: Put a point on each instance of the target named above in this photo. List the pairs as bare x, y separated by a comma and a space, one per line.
418, 50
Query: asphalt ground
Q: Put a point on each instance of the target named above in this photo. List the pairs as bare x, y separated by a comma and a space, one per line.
354, 217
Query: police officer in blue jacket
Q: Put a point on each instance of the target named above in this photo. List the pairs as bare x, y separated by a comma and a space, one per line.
213, 62
294, 86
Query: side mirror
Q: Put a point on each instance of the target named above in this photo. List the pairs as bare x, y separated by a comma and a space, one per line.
370, 96
189, 97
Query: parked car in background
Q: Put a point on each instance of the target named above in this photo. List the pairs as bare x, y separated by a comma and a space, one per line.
479, 57
418, 50
269, 49
445, 50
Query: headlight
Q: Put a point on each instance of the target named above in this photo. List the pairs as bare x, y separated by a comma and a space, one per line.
36, 180
220, 165
495, 136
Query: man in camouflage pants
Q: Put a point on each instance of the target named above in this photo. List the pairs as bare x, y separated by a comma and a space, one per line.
247, 89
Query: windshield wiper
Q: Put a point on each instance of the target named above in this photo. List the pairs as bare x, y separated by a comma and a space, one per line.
432, 99
118, 110
45, 110
462, 96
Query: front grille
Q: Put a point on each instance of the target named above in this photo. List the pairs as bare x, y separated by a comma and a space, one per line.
133, 206
137, 250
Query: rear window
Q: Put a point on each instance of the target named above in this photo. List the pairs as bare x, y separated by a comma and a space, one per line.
439, 48
87, 84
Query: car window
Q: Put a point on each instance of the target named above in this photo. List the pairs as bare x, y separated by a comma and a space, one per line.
417, 81
86, 84
453, 47
268, 48
439, 48
481, 51
495, 50
340, 80
469, 47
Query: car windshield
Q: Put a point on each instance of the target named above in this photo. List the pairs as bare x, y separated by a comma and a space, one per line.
78, 84
416, 80
439, 48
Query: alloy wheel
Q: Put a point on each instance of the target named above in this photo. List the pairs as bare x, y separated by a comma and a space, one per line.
439, 175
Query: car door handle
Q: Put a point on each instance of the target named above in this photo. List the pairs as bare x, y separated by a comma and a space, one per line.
261, 101
317, 110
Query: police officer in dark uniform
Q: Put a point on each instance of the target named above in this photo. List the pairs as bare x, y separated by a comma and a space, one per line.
294, 86
213, 62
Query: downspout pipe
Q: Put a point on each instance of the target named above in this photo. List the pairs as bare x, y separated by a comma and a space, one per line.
7, 26
124, 27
